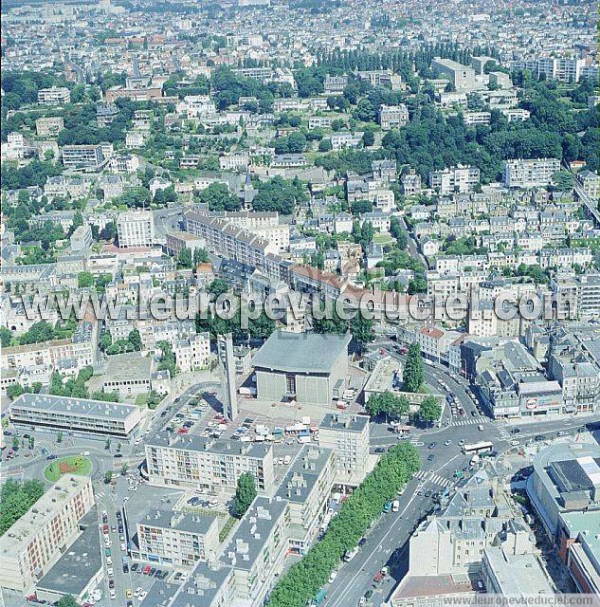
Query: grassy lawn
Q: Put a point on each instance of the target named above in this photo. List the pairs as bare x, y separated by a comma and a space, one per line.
382, 239
141, 400
68, 465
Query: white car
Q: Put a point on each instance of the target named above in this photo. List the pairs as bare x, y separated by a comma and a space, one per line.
143, 595
448, 442
113, 594
138, 591
110, 571
514, 443
123, 546
109, 560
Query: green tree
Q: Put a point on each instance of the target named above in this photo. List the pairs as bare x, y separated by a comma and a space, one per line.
14, 391
5, 337
67, 601
124, 469
59, 437
218, 198
135, 339
184, 259
244, 494
413, 369
387, 404
85, 280
108, 475
430, 409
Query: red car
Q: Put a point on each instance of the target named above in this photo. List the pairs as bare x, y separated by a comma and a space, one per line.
146, 570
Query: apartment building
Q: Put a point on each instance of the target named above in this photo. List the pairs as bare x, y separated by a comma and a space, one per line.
516, 114
307, 487
392, 116
79, 349
178, 241
257, 550
530, 173
474, 118
176, 539
347, 435
198, 462
81, 416
49, 127
192, 353
135, 229
37, 540
264, 224
411, 183
554, 68
461, 76
82, 156
56, 95
228, 240
454, 179
236, 161
590, 183
335, 85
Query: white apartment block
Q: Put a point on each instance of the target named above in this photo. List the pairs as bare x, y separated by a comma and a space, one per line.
556, 68
257, 550
135, 229
37, 540
307, 487
516, 114
530, 173
473, 118
56, 95
176, 539
193, 461
348, 437
49, 127
392, 116
82, 156
78, 415
234, 162
460, 179
192, 353
81, 352
228, 240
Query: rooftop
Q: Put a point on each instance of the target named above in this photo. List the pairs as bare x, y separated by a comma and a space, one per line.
74, 406
302, 352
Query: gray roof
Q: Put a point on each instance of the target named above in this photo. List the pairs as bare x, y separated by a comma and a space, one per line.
74, 406
199, 443
82, 561
125, 367
303, 474
345, 421
181, 521
253, 533
302, 352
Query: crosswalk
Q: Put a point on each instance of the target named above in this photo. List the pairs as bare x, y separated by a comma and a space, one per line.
414, 440
471, 421
432, 477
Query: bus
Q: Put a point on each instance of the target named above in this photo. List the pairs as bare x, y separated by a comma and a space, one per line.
479, 448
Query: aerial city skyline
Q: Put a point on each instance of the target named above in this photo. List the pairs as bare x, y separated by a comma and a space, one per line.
299, 303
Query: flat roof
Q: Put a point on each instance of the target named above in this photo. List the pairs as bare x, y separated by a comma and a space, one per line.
200, 443
344, 421
303, 474
253, 533
82, 407
76, 567
13, 542
301, 352
125, 367
180, 521
518, 575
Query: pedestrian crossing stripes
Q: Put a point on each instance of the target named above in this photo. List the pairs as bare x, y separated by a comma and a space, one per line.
434, 478
414, 440
471, 422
